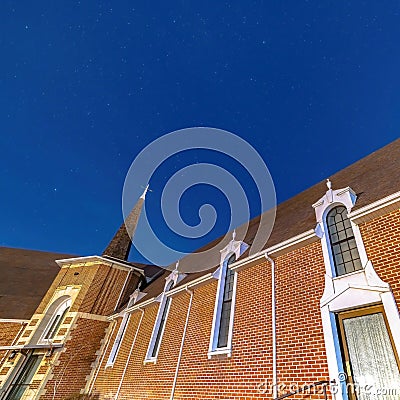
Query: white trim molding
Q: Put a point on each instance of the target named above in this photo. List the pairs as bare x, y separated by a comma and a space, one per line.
376, 209
236, 248
94, 260
13, 321
162, 315
118, 340
358, 289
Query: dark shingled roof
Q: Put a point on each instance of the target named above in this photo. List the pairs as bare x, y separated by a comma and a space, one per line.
372, 178
26, 276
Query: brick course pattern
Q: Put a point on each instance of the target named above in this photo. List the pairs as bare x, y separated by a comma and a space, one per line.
247, 374
381, 238
9, 333
68, 375
301, 348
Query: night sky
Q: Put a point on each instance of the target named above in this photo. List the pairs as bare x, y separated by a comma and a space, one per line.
312, 85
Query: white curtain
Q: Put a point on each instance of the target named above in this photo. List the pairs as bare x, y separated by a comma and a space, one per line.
375, 371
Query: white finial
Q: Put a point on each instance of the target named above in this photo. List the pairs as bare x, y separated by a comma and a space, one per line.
329, 184
234, 234
177, 265
143, 196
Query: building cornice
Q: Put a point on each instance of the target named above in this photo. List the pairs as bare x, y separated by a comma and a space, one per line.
190, 285
376, 209
32, 346
277, 250
14, 321
92, 260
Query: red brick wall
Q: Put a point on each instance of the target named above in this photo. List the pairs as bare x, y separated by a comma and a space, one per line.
381, 238
301, 354
300, 342
9, 331
101, 287
69, 376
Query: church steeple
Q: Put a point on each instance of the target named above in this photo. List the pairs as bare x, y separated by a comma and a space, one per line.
120, 245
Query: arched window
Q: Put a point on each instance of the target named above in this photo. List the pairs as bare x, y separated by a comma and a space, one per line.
159, 325
118, 340
343, 245
226, 306
56, 320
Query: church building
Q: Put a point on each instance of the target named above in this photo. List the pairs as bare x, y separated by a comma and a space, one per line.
313, 315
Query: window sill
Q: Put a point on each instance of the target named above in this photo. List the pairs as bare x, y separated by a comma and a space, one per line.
220, 351
358, 272
152, 360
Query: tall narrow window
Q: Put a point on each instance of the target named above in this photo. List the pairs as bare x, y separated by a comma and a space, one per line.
118, 340
225, 317
24, 377
57, 320
343, 245
159, 325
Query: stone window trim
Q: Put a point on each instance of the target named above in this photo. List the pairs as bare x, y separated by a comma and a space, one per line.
54, 318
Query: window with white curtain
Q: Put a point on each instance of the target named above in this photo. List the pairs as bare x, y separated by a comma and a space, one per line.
371, 360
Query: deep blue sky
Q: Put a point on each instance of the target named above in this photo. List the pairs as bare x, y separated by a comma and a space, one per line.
312, 85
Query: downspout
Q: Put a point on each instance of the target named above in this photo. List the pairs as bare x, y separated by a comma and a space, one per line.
273, 317
130, 353
182, 343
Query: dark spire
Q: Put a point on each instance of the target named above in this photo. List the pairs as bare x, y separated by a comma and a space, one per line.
121, 243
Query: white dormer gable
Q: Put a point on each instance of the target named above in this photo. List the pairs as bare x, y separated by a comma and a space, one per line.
345, 196
236, 247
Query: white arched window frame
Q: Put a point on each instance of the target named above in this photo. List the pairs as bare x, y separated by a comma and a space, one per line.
162, 316
134, 297
228, 255
118, 340
55, 317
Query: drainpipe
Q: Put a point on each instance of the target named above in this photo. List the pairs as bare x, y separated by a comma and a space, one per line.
130, 353
273, 317
182, 343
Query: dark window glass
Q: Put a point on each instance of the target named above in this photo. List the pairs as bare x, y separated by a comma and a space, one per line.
162, 322
226, 305
57, 321
24, 378
343, 244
